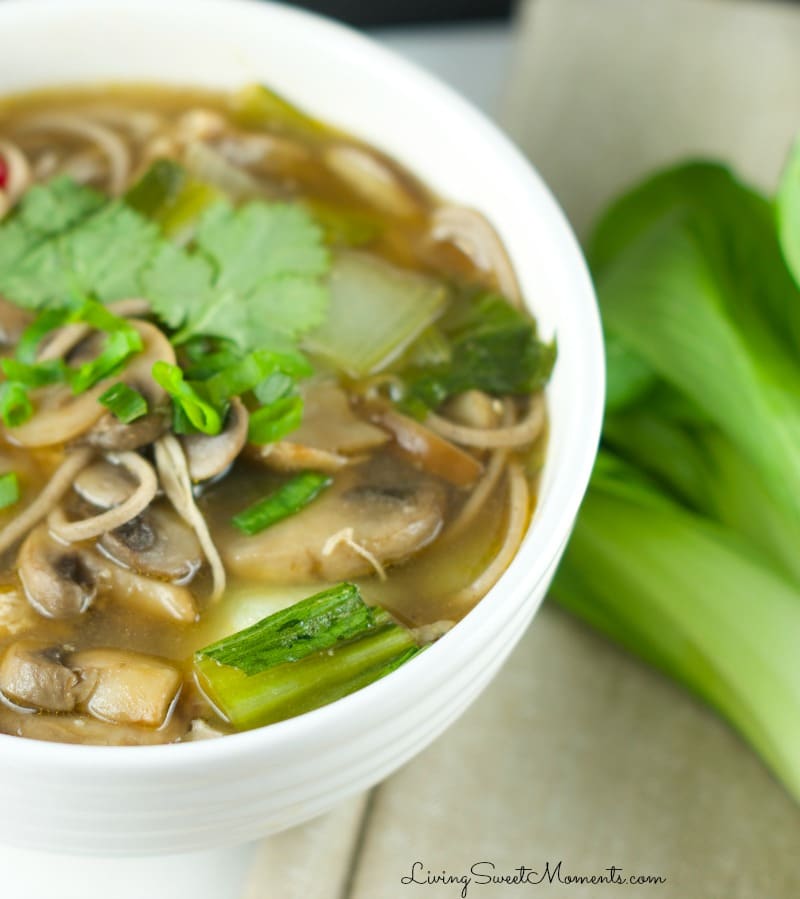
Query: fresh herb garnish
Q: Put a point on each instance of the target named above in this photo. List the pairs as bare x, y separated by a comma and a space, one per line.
275, 420
125, 403
254, 277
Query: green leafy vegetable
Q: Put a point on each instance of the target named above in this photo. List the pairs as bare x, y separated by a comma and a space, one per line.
788, 212
166, 194
376, 311
125, 403
493, 347
256, 106
686, 546
690, 597
287, 500
9, 489
318, 650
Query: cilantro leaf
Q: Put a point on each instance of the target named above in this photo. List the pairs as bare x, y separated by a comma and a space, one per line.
254, 277
44, 211
67, 241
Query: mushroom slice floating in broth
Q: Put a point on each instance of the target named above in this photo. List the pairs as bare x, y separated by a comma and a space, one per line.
389, 519
126, 687
157, 543
32, 675
59, 580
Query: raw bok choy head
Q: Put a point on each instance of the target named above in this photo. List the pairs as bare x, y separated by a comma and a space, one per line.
686, 549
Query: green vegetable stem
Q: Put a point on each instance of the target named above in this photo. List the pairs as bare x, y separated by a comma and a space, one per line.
318, 650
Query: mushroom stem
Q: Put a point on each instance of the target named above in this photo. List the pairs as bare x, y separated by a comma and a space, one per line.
56, 487
174, 473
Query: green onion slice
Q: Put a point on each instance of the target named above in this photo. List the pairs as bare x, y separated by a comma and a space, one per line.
124, 402
15, 407
190, 405
9, 489
271, 423
287, 500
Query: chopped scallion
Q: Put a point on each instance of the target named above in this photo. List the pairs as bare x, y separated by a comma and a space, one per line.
287, 500
187, 399
15, 407
9, 490
124, 402
271, 423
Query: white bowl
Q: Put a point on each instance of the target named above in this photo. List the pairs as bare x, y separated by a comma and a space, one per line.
172, 798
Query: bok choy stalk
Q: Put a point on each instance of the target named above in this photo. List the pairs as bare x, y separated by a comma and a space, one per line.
303, 657
686, 547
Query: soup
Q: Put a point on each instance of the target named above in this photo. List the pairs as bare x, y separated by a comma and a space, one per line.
272, 414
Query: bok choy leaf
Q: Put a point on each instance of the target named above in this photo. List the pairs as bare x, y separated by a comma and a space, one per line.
686, 547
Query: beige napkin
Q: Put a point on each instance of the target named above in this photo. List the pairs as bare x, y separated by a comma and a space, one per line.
576, 753
605, 90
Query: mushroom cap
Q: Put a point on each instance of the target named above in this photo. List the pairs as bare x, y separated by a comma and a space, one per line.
59, 580
32, 675
157, 543
390, 515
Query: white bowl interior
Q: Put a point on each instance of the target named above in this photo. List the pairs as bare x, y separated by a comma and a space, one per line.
351, 82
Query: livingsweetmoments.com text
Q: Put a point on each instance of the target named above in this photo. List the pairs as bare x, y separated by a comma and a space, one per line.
487, 874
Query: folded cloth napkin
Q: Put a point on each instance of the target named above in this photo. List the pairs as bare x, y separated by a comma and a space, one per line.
603, 92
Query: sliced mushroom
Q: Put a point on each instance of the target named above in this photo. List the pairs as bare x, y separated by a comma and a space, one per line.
126, 687
329, 422
13, 322
208, 457
149, 596
330, 435
112, 435
59, 580
61, 416
157, 543
287, 456
424, 448
388, 517
104, 485
375, 178
32, 675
